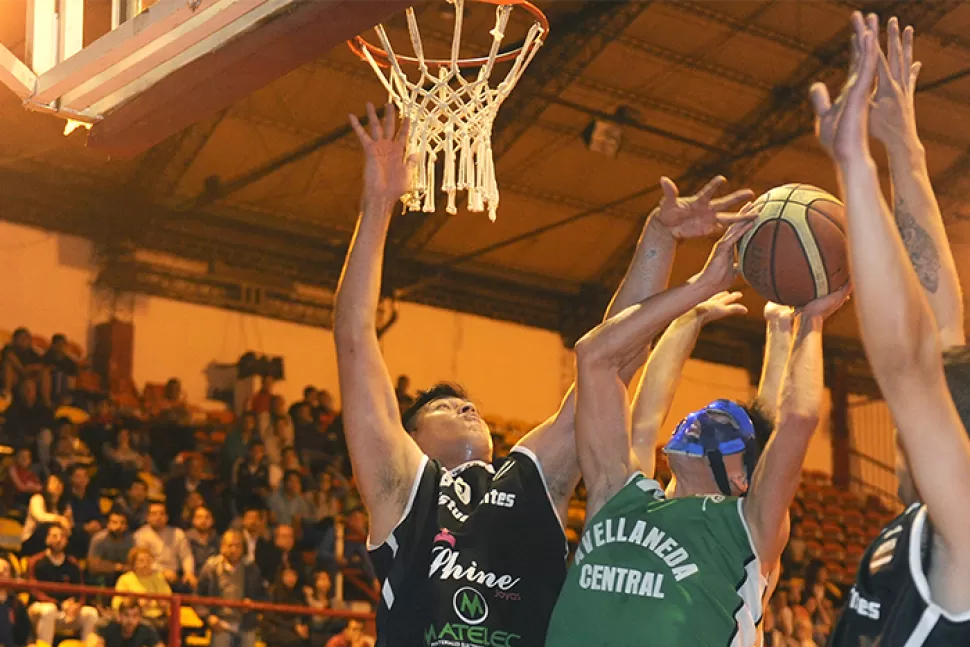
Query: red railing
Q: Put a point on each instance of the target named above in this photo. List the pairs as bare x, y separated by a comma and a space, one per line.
177, 600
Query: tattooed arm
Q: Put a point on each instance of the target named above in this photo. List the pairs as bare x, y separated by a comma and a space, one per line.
915, 209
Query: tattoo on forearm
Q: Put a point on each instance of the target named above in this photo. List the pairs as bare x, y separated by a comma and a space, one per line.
922, 252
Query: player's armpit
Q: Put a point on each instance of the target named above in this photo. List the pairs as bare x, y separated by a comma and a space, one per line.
554, 444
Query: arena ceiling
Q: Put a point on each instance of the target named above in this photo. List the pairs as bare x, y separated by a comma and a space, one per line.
269, 187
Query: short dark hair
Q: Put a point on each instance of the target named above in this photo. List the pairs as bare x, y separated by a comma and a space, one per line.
440, 391
288, 473
58, 337
309, 390
129, 604
76, 467
956, 369
764, 426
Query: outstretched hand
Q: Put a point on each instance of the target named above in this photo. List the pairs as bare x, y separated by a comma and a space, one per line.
721, 271
720, 306
778, 313
387, 174
893, 113
828, 305
701, 214
842, 126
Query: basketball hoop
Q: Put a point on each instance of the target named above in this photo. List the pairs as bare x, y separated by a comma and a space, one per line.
450, 115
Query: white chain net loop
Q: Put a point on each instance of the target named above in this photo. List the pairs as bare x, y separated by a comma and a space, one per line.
452, 116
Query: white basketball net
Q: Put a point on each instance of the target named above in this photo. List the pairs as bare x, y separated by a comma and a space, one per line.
452, 116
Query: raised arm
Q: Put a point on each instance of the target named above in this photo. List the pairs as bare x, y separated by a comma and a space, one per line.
915, 208
779, 469
602, 413
384, 457
658, 383
898, 327
674, 219
779, 328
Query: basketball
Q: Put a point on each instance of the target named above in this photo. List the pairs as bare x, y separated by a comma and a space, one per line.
796, 251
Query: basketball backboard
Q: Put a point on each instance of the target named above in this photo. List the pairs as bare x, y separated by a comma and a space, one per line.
165, 65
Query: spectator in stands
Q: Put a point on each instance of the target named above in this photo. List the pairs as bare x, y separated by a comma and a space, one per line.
403, 392
63, 369
142, 577
784, 617
86, 507
52, 612
262, 400
304, 427
126, 460
271, 557
148, 474
109, 550
229, 577
22, 480
99, 430
326, 500
134, 503
351, 636
172, 406
355, 549
193, 502
311, 398
285, 629
288, 505
28, 421
803, 630
237, 444
794, 560
202, 537
325, 409
251, 481
46, 509
819, 586
169, 547
178, 489
129, 630
14, 623
320, 596
19, 360
253, 531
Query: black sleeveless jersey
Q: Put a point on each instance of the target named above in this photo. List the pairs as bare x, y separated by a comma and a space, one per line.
477, 560
883, 573
900, 600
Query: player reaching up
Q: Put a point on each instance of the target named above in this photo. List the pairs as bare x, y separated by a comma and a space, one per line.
466, 554
913, 587
689, 570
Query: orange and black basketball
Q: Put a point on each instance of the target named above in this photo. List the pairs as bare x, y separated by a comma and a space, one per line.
797, 250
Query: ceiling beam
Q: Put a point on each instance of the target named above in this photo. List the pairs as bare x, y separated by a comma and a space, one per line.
784, 115
573, 43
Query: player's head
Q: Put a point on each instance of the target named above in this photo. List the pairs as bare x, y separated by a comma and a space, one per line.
447, 426
715, 449
956, 369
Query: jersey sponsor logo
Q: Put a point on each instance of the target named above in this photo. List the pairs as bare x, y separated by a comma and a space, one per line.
454, 634
610, 531
462, 490
445, 566
500, 499
470, 606
864, 607
615, 579
449, 504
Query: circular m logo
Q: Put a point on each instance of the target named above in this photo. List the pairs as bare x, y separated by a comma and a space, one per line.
470, 605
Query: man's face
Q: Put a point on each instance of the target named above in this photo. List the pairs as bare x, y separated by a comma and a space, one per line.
117, 524
157, 517
80, 479
137, 493
294, 486
231, 548
354, 630
129, 620
284, 538
256, 453
56, 539
357, 522
252, 522
202, 520
444, 422
22, 339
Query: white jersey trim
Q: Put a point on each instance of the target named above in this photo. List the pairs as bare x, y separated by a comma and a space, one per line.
391, 540
919, 577
751, 592
545, 486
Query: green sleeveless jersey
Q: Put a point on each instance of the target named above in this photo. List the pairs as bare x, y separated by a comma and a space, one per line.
651, 571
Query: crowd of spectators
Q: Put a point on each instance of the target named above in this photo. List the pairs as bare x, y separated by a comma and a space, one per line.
148, 499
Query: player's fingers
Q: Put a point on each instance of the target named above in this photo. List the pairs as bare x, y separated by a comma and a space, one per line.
908, 50
729, 298
821, 102
361, 133
711, 188
390, 116
894, 48
729, 201
914, 75
736, 309
735, 232
376, 132
884, 71
404, 132
872, 25
858, 27
861, 89
668, 187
